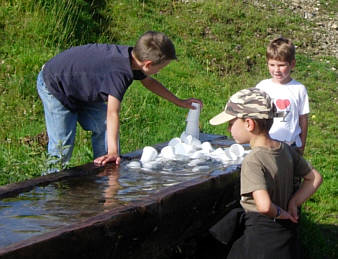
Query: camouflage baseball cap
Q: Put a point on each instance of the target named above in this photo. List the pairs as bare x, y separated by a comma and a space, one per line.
247, 103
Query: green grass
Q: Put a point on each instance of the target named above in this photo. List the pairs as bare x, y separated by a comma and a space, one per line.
221, 49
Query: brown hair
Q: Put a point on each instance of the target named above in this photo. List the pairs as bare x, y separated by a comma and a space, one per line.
281, 49
264, 125
154, 46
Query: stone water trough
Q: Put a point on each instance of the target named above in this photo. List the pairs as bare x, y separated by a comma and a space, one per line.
152, 224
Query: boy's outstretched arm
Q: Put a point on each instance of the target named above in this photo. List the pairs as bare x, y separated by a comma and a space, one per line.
157, 88
265, 206
311, 183
303, 124
113, 125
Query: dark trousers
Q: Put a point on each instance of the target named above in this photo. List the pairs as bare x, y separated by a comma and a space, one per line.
258, 237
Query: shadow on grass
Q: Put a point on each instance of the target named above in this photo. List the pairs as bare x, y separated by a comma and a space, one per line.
319, 241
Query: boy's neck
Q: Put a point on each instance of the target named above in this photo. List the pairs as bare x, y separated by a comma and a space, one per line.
263, 140
135, 63
284, 82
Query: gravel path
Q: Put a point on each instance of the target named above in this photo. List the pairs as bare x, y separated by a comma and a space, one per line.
322, 33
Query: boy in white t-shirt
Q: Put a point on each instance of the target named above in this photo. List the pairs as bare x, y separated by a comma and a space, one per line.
289, 96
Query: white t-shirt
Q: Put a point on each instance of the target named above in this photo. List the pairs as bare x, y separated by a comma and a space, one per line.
291, 100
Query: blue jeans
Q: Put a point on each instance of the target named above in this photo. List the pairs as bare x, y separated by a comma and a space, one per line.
61, 124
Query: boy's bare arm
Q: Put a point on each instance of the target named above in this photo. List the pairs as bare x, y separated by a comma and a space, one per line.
311, 183
265, 206
303, 124
113, 125
157, 88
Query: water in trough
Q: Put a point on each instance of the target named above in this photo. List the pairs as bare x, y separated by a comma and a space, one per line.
60, 203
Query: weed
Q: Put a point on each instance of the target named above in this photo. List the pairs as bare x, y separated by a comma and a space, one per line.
221, 49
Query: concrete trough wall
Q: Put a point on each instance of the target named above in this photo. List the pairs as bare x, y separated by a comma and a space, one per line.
152, 228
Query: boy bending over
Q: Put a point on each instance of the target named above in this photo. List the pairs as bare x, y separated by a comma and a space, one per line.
86, 84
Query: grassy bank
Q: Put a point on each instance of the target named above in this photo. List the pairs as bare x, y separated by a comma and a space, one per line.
221, 49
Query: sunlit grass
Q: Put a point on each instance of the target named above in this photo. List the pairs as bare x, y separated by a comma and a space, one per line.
221, 49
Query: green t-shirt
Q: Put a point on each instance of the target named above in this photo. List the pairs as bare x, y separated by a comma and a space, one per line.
272, 170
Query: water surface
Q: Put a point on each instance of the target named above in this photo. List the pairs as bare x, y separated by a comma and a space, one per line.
46, 208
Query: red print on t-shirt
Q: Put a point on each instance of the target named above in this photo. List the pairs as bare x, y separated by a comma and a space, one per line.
282, 104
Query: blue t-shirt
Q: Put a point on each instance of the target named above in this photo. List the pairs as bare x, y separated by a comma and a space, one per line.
90, 73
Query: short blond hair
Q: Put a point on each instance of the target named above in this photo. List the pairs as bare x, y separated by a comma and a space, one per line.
281, 49
154, 46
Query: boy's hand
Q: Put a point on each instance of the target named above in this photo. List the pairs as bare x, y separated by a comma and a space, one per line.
286, 215
188, 103
293, 209
301, 150
103, 160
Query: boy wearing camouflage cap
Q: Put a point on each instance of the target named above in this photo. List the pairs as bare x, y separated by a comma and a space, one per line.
268, 197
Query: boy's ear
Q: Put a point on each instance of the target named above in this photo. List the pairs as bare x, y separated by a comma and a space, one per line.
147, 63
250, 124
293, 63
